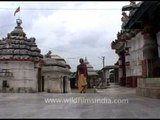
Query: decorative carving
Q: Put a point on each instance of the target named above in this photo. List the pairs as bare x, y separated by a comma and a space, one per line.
8, 35
124, 19
48, 55
118, 35
113, 45
133, 7
32, 39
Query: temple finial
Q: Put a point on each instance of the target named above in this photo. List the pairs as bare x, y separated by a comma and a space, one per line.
19, 22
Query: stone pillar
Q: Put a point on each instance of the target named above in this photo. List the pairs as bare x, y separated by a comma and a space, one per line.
158, 42
120, 70
150, 53
107, 75
116, 75
123, 68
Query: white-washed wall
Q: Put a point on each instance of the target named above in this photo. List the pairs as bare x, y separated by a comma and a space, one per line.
127, 59
53, 81
128, 72
136, 56
24, 75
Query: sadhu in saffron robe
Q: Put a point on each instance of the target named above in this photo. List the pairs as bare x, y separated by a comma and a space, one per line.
81, 77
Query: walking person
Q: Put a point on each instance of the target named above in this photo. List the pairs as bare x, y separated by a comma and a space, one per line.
81, 76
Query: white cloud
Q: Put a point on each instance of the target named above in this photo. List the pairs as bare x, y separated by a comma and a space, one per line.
75, 29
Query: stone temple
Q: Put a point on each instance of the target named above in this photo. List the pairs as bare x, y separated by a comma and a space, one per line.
138, 48
92, 74
19, 58
55, 74
23, 69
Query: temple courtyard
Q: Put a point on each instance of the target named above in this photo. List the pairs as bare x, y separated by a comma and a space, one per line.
113, 102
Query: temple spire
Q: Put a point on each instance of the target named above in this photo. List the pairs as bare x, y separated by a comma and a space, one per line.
85, 58
19, 22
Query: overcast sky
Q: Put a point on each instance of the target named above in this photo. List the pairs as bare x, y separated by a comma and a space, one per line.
69, 29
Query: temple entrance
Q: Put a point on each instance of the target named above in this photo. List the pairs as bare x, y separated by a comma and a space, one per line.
5, 85
42, 83
64, 84
39, 80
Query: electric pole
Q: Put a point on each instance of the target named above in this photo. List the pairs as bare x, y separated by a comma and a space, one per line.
103, 61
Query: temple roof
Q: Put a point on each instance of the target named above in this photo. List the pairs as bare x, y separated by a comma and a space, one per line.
90, 70
16, 46
111, 67
145, 11
87, 63
55, 63
59, 60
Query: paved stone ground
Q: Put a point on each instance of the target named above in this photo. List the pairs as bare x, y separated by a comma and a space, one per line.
26, 105
91, 90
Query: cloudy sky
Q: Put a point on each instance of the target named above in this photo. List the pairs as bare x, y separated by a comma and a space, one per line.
70, 29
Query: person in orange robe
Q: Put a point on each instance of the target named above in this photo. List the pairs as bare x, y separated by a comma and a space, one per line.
81, 76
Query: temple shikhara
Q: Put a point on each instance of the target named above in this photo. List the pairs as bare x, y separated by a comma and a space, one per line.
92, 74
137, 45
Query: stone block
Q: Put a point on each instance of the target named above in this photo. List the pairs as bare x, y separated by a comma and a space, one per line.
152, 92
140, 82
152, 82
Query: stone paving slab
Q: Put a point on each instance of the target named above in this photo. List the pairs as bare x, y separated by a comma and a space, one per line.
18, 105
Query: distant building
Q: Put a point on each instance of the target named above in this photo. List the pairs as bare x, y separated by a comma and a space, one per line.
92, 74
107, 74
